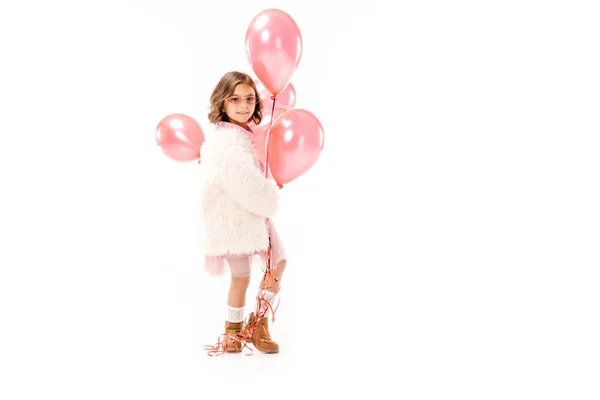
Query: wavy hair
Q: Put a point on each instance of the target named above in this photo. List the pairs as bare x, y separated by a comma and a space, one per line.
225, 89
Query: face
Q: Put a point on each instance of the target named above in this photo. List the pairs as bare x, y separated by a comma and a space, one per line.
240, 106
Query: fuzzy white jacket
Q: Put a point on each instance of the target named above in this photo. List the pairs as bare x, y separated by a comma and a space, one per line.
236, 196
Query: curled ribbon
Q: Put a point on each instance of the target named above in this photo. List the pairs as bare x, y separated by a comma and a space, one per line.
262, 306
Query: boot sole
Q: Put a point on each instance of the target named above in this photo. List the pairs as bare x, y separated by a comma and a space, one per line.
266, 351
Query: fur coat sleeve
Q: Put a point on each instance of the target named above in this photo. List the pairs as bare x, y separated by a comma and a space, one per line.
233, 165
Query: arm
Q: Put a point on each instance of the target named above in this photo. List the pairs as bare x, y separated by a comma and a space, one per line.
242, 180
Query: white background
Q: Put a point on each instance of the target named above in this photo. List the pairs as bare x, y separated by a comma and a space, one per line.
444, 245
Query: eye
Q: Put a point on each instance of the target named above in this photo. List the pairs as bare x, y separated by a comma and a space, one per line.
251, 100
234, 100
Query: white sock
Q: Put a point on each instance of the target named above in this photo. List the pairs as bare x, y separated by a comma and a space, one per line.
235, 314
270, 297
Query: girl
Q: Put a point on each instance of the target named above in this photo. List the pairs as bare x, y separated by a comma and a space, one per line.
238, 202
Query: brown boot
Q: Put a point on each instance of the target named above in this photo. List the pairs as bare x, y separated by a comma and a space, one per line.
232, 342
259, 336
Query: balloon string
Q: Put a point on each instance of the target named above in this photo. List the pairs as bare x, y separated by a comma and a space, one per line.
274, 98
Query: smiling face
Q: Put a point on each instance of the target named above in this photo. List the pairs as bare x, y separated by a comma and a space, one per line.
240, 106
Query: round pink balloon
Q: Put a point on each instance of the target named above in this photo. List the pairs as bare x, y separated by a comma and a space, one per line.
294, 144
285, 99
180, 137
273, 48
260, 132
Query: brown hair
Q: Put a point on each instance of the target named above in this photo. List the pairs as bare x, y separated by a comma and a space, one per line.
224, 89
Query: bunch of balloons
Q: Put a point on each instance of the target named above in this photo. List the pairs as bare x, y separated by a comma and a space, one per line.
289, 140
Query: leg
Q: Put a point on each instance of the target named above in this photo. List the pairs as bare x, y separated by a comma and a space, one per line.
272, 281
260, 336
269, 287
236, 300
240, 279
237, 291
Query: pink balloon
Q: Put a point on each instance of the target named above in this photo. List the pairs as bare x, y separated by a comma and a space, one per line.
273, 48
180, 137
260, 133
285, 99
294, 144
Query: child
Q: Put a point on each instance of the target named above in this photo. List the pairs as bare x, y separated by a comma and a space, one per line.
238, 202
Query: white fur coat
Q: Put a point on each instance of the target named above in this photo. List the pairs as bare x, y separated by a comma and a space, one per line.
236, 196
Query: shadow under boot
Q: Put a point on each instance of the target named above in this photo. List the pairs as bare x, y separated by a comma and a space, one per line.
259, 334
